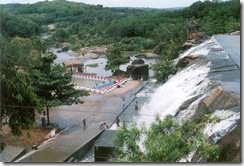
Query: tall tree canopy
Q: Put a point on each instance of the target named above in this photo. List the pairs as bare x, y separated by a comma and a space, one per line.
52, 86
115, 58
18, 101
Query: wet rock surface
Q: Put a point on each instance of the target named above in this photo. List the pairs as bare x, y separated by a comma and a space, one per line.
147, 56
218, 100
231, 146
138, 61
138, 71
156, 50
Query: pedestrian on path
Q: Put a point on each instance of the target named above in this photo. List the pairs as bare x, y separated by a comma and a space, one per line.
117, 121
136, 106
103, 125
123, 98
84, 122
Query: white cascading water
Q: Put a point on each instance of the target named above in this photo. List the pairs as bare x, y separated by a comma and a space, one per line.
228, 122
169, 97
186, 84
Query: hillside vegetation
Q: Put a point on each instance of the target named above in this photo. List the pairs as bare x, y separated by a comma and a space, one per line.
81, 25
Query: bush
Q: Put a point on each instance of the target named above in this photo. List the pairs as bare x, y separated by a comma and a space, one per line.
165, 141
92, 65
162, 70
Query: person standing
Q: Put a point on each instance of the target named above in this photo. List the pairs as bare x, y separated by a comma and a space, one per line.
117, 121
136, 106
101, 125
84, 122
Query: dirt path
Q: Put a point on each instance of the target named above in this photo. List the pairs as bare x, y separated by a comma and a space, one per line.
34, 136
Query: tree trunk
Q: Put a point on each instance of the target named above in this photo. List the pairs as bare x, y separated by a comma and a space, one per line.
48, 123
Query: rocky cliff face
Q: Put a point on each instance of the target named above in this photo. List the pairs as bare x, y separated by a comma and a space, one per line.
138, 71
219, 99
222, 99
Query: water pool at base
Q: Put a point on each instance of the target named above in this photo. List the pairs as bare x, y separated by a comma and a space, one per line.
89, 83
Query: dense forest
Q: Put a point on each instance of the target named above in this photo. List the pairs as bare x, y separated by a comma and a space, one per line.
81, 24
22, 43
77, 25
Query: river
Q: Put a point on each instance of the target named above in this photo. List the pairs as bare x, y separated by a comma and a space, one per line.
99, 70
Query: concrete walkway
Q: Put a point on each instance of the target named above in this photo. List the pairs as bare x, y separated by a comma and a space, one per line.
10, 153
231, 44
104, 108
65, 145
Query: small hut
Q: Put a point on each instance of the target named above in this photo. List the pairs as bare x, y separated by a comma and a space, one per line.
73, 65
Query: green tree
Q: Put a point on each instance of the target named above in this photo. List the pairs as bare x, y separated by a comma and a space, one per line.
115, 58
23, 51
18, 101
52, 86
165, 141
162, 69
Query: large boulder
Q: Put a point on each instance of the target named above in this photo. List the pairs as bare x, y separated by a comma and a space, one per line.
218, 100
187, 45
201, 36
138, 61
138, 71
230, 146
183, 62
156, 50
235, 33
118, 72
147, 55
64, 49
91, 55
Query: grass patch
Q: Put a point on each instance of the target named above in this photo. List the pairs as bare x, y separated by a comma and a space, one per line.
92, 65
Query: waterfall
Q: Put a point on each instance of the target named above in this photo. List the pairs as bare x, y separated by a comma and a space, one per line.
189, 84
186, 84
228, 122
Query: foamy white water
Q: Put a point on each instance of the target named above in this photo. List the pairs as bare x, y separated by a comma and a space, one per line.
200, 49
228, 121
167, 99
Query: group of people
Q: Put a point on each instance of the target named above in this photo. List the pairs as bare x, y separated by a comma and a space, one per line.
136, 105
104, 125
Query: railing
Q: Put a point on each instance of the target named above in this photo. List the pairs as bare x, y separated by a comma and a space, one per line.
102, 88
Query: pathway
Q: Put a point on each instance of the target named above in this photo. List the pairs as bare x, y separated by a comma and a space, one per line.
231, 44
99, 108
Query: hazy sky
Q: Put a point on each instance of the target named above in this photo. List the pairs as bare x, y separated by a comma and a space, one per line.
123, 3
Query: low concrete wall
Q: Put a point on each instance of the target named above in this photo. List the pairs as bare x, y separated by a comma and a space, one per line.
83, 149
22, 153
11, 153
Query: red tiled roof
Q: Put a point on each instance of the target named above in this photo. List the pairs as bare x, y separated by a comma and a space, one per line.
72, 62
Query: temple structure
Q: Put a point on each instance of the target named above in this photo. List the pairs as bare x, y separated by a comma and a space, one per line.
73, 65
192, 27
